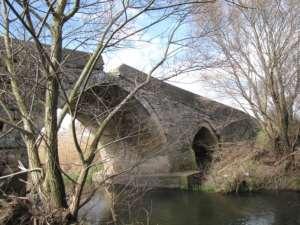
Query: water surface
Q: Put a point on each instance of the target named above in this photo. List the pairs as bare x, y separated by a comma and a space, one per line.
170, 207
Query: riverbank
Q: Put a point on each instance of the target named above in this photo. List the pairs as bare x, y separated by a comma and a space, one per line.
247, 167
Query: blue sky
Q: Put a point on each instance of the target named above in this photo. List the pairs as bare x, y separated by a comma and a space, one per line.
146, 49
143, 55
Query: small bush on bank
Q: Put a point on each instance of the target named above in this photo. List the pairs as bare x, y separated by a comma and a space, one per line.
71, 175
246, 167
262, 140
94, 169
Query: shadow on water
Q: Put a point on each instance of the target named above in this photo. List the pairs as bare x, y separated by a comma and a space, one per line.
97, 210
170, 207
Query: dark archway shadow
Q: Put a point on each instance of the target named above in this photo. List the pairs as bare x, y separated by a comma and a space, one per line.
203, 145
130, 138
1, 126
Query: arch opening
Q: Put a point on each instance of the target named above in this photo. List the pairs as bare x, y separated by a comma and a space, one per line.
203, 145
130, 138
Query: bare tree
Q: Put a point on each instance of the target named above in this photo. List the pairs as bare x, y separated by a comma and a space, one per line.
253, 58
33, 79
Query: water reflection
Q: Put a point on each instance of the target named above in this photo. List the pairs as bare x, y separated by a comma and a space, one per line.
194, 208
96, 211
257, 220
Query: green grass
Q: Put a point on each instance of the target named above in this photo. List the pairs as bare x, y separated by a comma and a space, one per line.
200, 188
74, 175
262, 140
92, 171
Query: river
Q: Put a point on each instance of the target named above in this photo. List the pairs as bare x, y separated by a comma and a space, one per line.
171, 207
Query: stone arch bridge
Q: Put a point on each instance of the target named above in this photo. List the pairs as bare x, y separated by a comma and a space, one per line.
163, 131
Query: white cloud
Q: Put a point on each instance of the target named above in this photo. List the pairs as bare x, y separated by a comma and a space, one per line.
142, 56
192, 82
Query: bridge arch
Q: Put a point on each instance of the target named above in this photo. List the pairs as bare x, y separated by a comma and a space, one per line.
204, 142
133, 135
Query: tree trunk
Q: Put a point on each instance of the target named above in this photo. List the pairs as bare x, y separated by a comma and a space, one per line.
33, 163
54, 185
75, 203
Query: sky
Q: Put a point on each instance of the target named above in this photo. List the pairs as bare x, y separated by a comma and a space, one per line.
147, 49
145, 55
